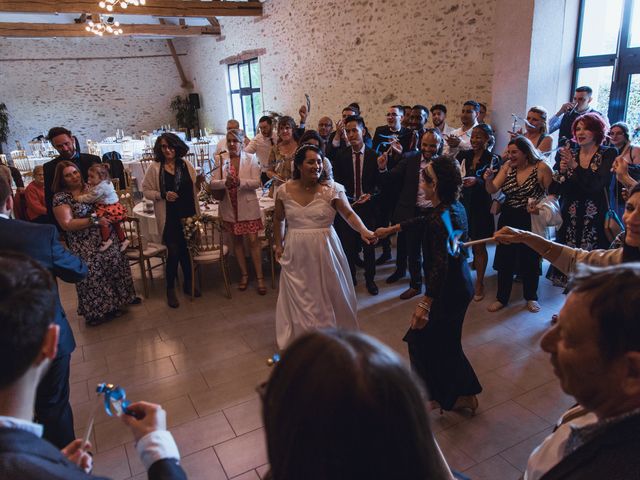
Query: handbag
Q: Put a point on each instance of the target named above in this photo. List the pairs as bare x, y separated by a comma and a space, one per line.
613, 226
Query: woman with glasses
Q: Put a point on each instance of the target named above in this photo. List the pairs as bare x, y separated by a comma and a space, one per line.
435, 332
172, 184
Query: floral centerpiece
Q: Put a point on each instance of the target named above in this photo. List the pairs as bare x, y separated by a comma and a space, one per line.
192, 228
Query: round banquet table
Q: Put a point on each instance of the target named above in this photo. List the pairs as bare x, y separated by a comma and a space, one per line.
149, 227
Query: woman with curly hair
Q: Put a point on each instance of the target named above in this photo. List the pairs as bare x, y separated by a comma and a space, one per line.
435, 333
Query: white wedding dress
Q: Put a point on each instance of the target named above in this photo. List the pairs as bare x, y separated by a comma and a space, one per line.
316, 290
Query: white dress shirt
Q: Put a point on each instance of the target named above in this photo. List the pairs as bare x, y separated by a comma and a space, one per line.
421, 200
465, 140
261, 146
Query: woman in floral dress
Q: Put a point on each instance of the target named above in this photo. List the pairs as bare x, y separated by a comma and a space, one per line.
583, 177
239, 208
109, 285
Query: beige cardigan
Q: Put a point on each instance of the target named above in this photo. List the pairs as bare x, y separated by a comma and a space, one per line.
248, 205
570, 257
151, 191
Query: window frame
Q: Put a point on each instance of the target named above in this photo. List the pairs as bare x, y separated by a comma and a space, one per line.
249, 91
624, 61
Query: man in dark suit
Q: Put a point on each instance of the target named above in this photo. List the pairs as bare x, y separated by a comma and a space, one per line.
40, 242
65, 143
338, 138
383, 137
28, 344
405, 177
355, 167
594, 347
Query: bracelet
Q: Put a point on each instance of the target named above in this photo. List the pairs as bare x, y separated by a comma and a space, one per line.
425, 306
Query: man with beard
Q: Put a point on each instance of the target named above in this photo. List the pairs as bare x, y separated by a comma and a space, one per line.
417, 120
406, 178
65, 143
460, 138
439, 119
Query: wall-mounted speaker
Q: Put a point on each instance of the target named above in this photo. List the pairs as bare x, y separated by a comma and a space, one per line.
194, 100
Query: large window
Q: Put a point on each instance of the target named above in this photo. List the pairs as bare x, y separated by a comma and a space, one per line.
244, 91
608, 57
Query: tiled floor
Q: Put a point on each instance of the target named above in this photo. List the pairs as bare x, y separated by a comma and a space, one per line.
203, 361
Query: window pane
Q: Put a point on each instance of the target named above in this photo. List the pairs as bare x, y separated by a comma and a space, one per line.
255, 74
233, 77
600, 27
244, 75
634, 27
237, 107
257, 105
633, 105
248, 116
599, 79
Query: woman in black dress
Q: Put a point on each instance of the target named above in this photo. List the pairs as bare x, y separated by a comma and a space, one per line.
434, 337
172, 184
476, 199
524, 179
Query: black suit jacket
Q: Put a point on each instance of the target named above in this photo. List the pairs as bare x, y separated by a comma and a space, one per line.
404, 136
83, 161
331, 151
404, 177
611, 455
24, 456
343, 174
40, 242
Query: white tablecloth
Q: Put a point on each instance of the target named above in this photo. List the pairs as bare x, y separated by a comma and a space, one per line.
149, 227
35, 161
128, 148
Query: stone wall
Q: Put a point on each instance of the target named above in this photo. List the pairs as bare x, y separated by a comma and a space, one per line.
90, 85
371, 51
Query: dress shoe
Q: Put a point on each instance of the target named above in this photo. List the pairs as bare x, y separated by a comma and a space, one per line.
172, 299
135, 301
409, 293
384, 258
358, 261
395, 276
466, 403
372, 288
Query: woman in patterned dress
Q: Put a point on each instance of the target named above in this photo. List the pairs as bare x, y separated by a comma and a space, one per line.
522, 177
109, 285
281, 158
584, 176
239, 208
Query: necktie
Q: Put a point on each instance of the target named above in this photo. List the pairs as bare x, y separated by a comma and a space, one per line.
358, 179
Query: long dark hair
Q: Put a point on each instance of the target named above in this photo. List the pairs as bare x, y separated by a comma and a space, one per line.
449, 178
299, 157
174, 142
523, 144
340, 405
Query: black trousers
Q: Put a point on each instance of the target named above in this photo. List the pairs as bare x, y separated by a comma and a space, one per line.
417, 262
177, 253
351, 244
505, 283
53, 410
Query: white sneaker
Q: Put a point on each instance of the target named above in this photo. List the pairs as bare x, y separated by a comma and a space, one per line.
105, 245
124, 245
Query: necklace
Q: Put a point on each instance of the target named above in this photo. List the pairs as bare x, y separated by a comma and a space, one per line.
309, 187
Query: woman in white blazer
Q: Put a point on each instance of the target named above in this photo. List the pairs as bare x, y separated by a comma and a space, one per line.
239, 208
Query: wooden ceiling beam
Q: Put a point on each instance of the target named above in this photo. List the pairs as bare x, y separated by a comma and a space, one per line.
163, 8
38, 30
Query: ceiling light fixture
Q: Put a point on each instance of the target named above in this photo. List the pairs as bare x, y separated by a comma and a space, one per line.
109, 4
103, 26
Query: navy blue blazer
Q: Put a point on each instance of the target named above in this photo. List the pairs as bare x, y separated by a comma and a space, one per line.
25, 456
40, 242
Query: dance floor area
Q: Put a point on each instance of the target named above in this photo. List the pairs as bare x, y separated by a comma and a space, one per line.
203, 361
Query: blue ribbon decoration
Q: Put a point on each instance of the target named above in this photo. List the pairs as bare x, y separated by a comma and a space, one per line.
453, 239
115, 399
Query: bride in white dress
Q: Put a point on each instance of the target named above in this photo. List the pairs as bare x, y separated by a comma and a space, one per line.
316, 290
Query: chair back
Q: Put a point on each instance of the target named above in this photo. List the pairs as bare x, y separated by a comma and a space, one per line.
131, 228
3, 159
145, 162
94, 148
203, 159
125, 193
21, 162
203, 234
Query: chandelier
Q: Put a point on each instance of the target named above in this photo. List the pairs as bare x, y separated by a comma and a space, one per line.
109, 4
103, 26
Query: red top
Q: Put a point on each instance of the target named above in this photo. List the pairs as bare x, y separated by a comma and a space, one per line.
34, 195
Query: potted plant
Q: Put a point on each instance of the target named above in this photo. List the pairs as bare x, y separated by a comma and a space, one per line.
4, 125
186, 116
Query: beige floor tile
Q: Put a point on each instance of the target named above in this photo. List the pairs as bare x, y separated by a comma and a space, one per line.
112, 464
163, 389
492, 469
225, 395
496, 390
88, 369
520, 452
207, 355
78, 392
203, 465
243, 453
228, 369
137, 374
145, 353
495, 430
527, 373
111, 433
120, 344
245, 417
456, 458
547, 401
202, 433
262, 470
